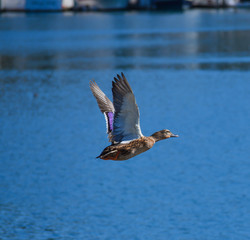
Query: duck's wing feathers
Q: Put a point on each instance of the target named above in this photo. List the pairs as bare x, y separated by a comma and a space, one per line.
105, 105
126, 124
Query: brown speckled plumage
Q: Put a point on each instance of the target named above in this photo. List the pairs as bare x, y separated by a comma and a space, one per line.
124, 151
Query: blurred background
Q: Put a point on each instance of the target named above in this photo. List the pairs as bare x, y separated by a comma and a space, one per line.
85, 5
189, 70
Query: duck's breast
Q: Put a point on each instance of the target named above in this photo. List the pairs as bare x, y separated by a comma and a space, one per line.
136, 147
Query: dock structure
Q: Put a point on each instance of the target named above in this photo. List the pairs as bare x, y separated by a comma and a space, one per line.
110, 5
36, 5
101, 4
59, 5
214, 3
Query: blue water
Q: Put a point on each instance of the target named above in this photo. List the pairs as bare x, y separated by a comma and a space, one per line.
190, 74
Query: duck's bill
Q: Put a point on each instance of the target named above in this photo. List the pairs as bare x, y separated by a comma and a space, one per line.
174, 135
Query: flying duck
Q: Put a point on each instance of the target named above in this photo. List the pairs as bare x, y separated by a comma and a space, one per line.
123, 122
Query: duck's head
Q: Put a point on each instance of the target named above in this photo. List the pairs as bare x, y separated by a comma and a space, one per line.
163, 134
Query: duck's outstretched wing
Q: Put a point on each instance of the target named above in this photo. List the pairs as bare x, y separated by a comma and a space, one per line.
105, 105
126, 124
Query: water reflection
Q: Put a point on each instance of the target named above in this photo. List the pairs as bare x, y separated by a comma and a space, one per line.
196, 47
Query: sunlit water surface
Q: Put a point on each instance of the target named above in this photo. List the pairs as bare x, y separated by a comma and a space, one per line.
190, 74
